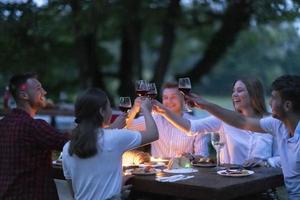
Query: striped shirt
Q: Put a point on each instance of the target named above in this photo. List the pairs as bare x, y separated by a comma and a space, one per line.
173, 142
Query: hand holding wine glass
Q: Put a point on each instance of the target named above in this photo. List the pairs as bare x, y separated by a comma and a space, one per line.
141, 87
185, 87
152, 92
125, 104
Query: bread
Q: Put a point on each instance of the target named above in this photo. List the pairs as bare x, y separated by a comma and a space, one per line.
135, 157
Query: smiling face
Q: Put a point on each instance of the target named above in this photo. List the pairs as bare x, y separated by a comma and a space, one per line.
173, 99
240, 96
35, 94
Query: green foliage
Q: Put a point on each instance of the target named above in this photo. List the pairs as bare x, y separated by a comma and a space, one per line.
42, 39
265, 51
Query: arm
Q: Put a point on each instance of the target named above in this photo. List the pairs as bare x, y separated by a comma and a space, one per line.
274, 161
151, 133
133, 123
230, 117
179, 122
47, 137
120, 122
133, 111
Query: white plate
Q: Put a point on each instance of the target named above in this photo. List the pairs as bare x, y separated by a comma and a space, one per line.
180, 170
243, 173
142, 173
204, 164
159, 164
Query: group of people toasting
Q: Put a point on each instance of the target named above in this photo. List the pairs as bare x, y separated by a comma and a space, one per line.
92, 153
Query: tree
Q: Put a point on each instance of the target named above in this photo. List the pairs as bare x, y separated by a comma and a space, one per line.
130, 61
235, 19
113, 43
168, 40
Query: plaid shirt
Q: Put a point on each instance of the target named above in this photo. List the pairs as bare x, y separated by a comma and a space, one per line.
25, 157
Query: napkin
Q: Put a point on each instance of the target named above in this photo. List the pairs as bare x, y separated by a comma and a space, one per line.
174, 178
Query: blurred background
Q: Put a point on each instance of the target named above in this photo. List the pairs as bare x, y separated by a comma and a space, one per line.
74, 44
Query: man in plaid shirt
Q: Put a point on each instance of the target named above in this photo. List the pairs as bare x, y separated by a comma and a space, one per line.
26, 144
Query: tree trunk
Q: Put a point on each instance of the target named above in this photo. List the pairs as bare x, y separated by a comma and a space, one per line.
85, 32
168, 39
130, 61
236, 18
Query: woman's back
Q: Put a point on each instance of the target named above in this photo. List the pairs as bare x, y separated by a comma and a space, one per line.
99, 177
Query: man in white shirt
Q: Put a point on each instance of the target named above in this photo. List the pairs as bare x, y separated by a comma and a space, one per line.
172, 142
284, 123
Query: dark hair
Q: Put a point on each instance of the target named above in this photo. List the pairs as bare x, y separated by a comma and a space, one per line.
288, 87
87, 112
17, 81
256, 94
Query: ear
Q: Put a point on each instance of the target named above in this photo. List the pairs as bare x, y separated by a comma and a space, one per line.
23, 95
102, 112
288, 105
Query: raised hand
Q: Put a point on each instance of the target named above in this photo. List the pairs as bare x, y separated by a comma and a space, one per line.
158, 107
196, 100
146, 105
120, 121
137, 104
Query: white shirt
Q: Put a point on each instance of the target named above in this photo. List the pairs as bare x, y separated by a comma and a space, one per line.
172, 141
240, 145
100, 176
289, 151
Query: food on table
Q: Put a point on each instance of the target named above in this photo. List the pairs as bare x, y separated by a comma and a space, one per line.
236, 171
179, 162
144, 170
205, 160
135, 157
150, 163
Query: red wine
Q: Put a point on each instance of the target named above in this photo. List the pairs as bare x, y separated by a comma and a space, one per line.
124, 109
152, 95
141, 93
185, 90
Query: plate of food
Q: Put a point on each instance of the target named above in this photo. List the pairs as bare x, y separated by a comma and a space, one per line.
144, 171
180, 170
204, 162
152, 164
235, 172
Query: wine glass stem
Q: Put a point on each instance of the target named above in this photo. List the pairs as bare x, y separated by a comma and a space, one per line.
187, 107
218, 158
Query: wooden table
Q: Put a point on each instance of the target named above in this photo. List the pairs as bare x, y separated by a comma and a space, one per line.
207, 184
